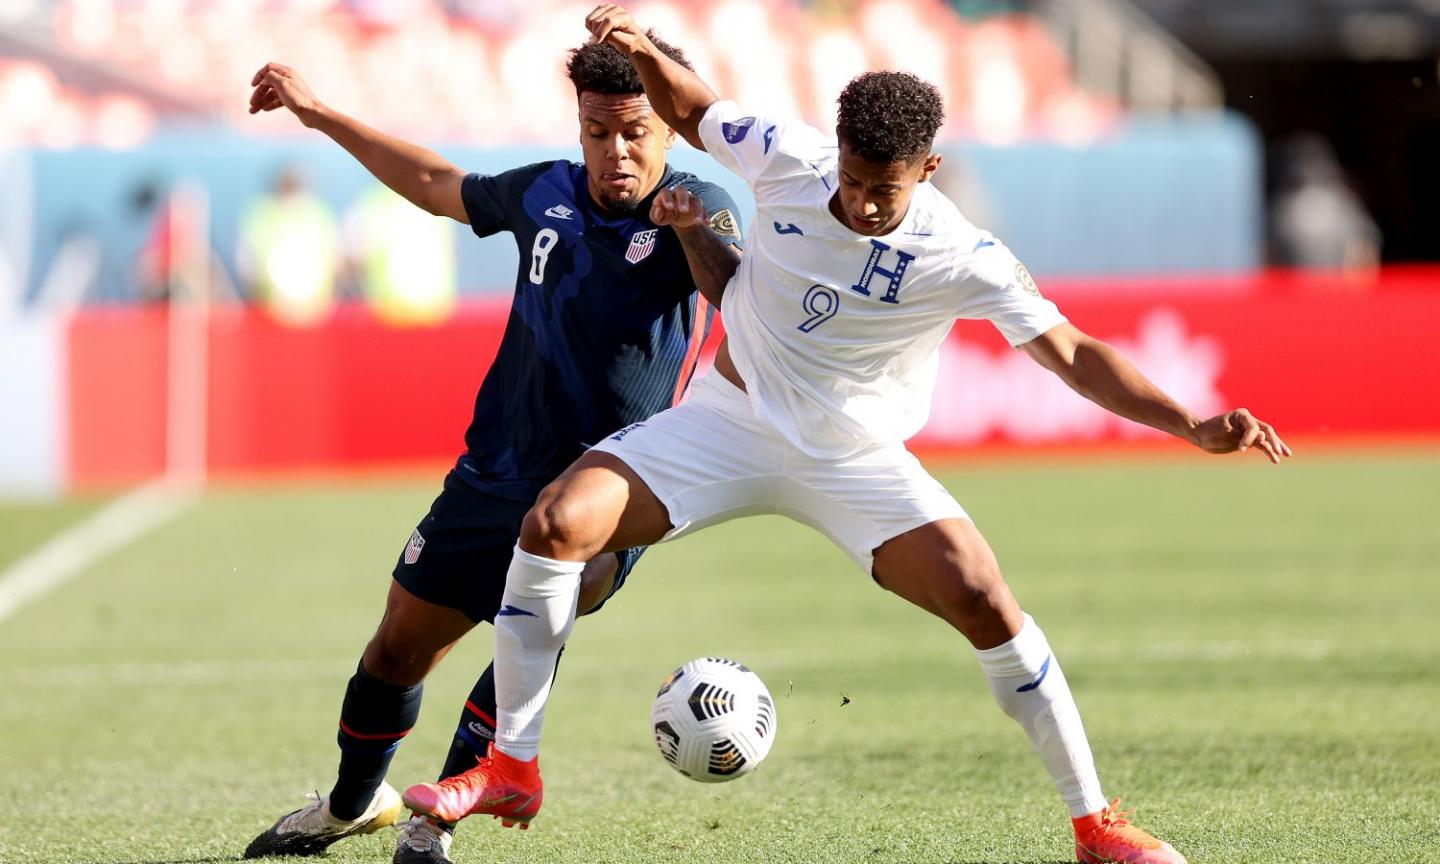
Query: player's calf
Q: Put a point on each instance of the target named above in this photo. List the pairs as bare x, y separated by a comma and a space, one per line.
596, 582
947, 568
413, 636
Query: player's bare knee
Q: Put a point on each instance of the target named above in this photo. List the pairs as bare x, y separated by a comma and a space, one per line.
556, 527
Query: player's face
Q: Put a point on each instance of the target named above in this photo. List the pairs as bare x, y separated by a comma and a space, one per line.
874, 196
625, 144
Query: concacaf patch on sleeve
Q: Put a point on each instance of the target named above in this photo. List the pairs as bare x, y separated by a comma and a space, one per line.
1026, 280
723, 223
736, 132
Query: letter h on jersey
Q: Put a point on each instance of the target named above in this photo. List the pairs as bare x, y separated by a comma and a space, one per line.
873, 268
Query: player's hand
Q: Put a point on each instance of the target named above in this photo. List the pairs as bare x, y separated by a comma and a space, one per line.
1240, 430
609, 23
276, 86
678, 208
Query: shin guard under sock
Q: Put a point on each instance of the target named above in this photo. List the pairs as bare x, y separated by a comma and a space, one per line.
373, 719
1027, 682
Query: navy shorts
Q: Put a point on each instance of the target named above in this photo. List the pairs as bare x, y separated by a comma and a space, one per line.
460, 552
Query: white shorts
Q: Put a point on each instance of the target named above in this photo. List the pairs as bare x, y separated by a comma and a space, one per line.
711, 460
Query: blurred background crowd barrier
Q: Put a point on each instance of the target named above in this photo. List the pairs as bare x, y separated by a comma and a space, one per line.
1242, 194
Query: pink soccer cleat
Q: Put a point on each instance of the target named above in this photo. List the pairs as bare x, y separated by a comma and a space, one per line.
1107, 837
500, 785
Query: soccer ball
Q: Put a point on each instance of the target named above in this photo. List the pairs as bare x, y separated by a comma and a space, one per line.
713, 720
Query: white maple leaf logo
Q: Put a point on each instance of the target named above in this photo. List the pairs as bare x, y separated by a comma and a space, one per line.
981, 395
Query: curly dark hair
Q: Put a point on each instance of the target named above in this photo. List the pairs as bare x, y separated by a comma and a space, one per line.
889, 116
604, 68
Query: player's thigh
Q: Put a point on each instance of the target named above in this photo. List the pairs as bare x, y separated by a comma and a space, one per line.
598, 505
947, 568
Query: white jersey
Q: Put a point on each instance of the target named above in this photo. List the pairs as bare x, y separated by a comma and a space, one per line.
837, 334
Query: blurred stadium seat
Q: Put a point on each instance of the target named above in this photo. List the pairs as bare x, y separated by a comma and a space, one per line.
448, 69
40, 111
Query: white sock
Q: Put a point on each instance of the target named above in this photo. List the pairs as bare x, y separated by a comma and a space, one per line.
1027, 682
536, 614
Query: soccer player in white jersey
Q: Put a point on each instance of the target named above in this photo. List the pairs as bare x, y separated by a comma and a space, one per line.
854, 273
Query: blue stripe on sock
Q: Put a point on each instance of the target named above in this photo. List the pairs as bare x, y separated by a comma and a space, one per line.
353, 749
1044, 670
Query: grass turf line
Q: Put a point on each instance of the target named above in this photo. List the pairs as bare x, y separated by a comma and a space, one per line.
1252, 648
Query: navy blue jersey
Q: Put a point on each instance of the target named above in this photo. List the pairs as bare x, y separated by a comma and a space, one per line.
605, 328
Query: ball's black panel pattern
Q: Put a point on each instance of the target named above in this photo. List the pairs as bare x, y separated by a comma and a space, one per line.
708, 701
764, 715
726, 661
725, 758
668, 740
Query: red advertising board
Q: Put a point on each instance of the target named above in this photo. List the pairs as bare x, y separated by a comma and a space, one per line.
1316, 357
1313, 364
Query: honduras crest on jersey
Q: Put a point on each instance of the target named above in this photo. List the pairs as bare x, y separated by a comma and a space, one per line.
642, 243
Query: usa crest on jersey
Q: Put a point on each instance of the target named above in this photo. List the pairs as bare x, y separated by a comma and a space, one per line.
412, 549
642, 243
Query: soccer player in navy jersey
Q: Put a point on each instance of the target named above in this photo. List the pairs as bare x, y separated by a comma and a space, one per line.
622, 262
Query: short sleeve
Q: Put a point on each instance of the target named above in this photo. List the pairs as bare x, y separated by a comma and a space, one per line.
489, 200
996, 287
724, 215
761, 148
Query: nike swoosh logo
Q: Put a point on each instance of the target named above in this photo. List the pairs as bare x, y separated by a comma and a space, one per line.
982, 244
788, 228
1044, 670
507, 609
495, 802
559, 212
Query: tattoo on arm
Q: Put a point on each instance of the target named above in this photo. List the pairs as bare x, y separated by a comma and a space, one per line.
712, 260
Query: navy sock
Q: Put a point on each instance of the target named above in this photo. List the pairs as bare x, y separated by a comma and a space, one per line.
476, 729
373, 719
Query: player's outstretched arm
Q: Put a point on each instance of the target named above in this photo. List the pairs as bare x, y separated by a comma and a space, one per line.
422, 177
1103, 375
677, 94
712, 261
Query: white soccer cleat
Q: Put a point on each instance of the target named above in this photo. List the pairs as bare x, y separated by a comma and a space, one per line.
311, 829
423, 842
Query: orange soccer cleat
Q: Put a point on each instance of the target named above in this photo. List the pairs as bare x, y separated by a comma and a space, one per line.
1107, 837
499, 785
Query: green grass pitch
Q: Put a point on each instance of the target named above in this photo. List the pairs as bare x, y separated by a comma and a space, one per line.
1256, 652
